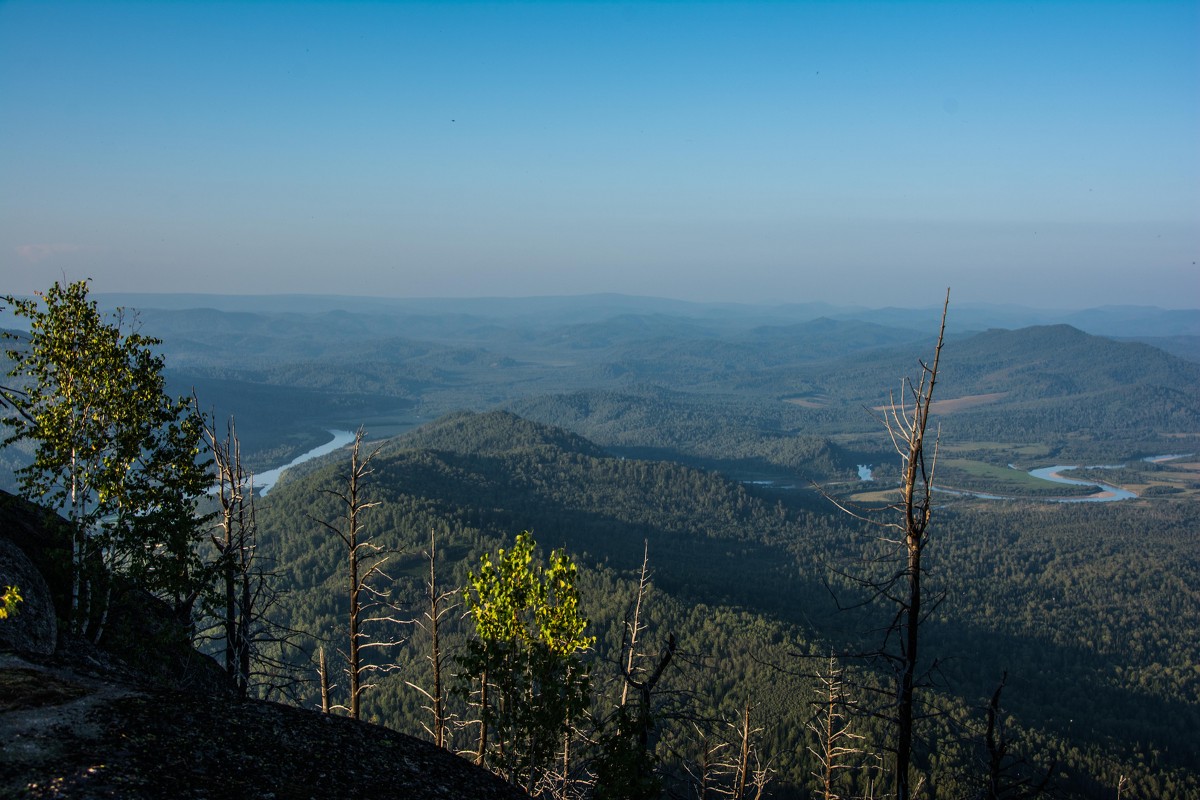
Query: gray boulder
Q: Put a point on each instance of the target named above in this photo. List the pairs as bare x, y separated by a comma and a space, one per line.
33, 629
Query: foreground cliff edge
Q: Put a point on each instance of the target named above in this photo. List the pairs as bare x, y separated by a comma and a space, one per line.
137, 722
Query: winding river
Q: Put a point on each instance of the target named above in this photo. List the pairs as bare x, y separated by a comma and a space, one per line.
266, 481
1106, 492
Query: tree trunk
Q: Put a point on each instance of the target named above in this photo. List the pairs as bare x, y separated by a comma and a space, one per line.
324, 670
904, 716
353, 654
483, 712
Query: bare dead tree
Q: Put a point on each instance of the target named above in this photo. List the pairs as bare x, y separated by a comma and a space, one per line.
703, 774
641, 680
627, 765
837, 747
905, 525
258, 651
234, 542
634, 627
369, 605
743, 762
323, 674
430, 622
1007, 777
645, 689
746, 777
729, 762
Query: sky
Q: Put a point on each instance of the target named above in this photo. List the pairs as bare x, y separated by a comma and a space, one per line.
1042, 153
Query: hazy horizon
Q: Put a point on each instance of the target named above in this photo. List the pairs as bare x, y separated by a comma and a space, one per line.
618, 297
760, 153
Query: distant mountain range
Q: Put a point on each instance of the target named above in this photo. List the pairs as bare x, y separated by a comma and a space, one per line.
736, 385
546, 312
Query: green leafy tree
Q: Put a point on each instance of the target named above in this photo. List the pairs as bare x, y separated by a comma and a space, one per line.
113, 452
9, 600
526, 661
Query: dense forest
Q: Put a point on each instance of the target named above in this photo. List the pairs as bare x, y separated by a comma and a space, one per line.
1092, 625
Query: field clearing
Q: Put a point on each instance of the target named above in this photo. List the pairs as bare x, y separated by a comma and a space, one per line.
1001, 480
982, 469
1010, 451
1182, 477
807, 402
958, 403
1177, 472
961, 403
879, 497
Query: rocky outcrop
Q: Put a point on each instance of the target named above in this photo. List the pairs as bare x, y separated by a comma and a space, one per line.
66, 732
35, 550
43, 537
33, 628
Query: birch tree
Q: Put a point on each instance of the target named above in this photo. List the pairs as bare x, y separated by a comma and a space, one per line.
533, 687
117, 456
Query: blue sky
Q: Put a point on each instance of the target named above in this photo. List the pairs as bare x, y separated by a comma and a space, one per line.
1044, 153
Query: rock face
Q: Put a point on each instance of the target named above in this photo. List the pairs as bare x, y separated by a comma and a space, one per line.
44, 538
66, 733
35, 547
33, 629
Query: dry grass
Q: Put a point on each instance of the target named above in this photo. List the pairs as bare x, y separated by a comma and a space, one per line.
959, 403
806, 402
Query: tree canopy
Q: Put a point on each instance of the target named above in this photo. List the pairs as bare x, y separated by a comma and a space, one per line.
112, 451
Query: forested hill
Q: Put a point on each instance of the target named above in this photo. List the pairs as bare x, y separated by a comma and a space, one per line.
1062, 359
497, 473
1056, 383
1080, 396
1043, 362
1040, 384
493, 434
1098, 636
748, 439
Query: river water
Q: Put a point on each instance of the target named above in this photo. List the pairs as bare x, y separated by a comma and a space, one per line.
266, 481
1107, 491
